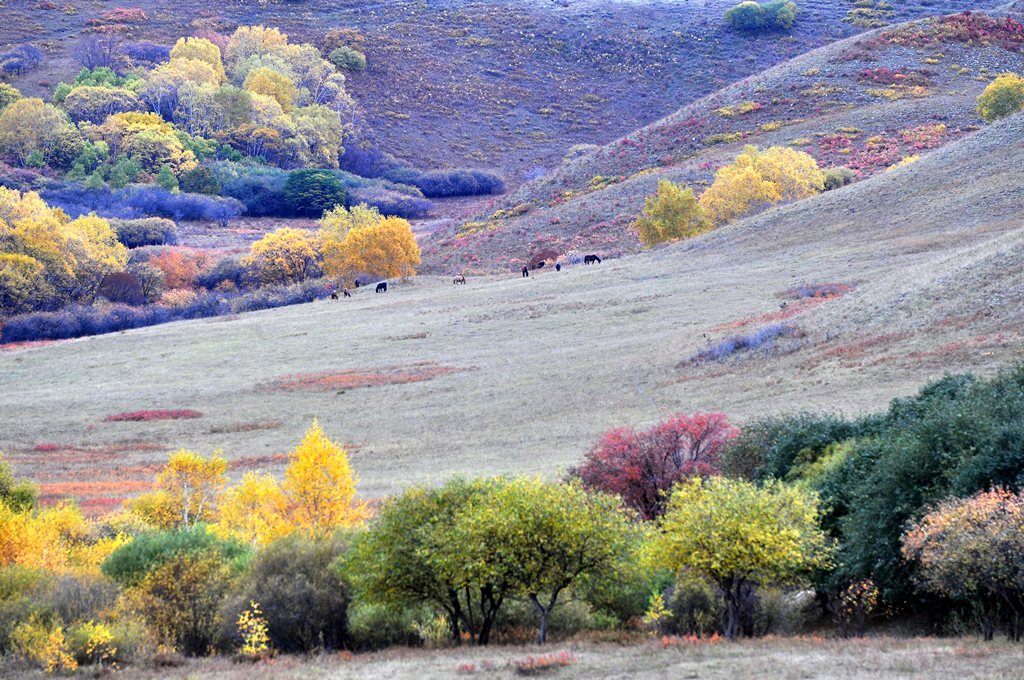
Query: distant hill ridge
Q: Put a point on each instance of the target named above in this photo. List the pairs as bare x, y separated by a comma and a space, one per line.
865, 102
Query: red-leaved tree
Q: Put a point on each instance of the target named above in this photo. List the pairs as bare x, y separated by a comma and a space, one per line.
642, 467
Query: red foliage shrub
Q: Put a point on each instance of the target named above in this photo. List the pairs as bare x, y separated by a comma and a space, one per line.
535, 665
642, 467
181, 266
160, 414
124, 15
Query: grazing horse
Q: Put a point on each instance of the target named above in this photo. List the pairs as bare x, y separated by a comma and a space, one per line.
344, 291
558, 267
382, 287
334, 295
591, 259
526, 272
461, 278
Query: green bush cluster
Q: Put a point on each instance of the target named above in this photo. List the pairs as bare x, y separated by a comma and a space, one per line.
756, 17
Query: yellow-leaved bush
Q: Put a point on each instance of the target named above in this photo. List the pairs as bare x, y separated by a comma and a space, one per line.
362, 241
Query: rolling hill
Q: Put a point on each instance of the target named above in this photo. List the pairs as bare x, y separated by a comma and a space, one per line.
919, 273
501, 84
866, 103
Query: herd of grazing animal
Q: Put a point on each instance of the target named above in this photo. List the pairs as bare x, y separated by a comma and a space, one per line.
382, 287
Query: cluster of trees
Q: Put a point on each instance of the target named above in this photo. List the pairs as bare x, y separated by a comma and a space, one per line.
1003, 97
69, 277
165, 115
47, 259
755, 16
351, 243
754, 180
918, 508
880, 477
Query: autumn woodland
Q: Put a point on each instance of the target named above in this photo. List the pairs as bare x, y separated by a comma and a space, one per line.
584, 338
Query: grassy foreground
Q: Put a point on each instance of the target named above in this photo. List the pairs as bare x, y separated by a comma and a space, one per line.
802, 657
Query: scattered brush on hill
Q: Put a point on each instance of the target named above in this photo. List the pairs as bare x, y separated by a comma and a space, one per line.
864, 105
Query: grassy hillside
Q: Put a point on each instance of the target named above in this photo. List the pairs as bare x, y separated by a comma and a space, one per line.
508, 374
863, 103
505, 84
809, 658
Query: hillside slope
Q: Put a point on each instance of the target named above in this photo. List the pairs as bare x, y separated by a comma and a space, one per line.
508, 374
504, 84
864, 103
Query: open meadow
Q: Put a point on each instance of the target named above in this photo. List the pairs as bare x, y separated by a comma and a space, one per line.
802, 658
520, 375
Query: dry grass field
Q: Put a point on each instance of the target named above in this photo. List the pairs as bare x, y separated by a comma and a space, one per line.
771, 659
514, 375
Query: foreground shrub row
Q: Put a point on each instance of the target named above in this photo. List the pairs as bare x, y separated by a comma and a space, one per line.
917, 509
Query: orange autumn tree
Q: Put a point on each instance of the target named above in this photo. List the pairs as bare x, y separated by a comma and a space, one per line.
385, 248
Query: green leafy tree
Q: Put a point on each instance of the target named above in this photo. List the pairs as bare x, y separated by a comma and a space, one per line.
542, 539
740, 536
1003, 97
8, 95
166, 179
312, 192
410, 556
672, 213
199, 180
19, 496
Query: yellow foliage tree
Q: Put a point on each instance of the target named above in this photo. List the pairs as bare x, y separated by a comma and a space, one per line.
254, 511
334, 227
199, 49
58, 539
320, 486
272, 84
759, 178
187, 491
1003, 97
286, 255
672, 213
248, 41
48, 259
386, 249
31, 125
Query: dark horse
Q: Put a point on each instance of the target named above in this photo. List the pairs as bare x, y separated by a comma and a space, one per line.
334, 295
382, 287
461, 278
526, 272
591, 259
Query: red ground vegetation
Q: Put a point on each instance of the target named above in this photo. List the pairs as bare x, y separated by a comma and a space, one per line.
159, 414
326, 381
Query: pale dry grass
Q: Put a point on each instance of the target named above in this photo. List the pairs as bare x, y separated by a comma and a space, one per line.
541, 366
777, 659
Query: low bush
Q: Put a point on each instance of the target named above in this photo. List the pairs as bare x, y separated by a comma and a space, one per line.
372, 626
838, 177
146, 52
303, 597
20, 59
447, 183
754, 17
76, 321
763, 338
391, 202
129, 564
347, 59
147, 231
